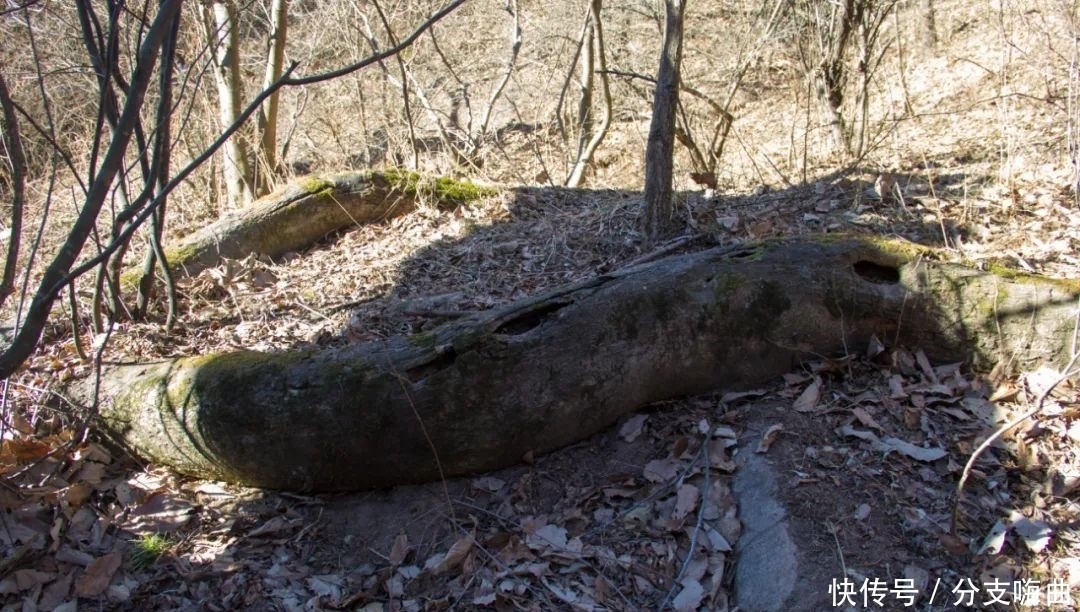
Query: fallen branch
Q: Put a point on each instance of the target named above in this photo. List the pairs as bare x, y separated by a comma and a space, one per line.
308, 210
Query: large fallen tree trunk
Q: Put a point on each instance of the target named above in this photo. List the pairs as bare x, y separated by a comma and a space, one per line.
309, 209
482, 392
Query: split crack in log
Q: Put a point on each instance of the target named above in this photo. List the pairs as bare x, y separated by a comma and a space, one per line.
553, 369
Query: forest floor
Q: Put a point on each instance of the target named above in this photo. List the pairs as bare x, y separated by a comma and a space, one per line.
608, 523
641, 517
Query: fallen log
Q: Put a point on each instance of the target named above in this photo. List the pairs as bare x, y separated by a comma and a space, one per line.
482, 392
308, 210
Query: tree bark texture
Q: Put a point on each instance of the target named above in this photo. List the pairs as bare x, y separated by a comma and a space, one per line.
275, 65
482, 392
660, 149
306, 211
223, 36
928, 31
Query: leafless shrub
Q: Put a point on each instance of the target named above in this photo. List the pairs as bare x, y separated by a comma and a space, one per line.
842, 42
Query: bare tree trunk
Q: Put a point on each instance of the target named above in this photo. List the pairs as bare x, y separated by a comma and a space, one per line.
268, 113
928, 33
156, 180
12, 141
832, 25
511, 66
589, 139
585, 87
660, 150
222, 35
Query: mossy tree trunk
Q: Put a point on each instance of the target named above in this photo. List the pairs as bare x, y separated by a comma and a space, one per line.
306, 211
480, 393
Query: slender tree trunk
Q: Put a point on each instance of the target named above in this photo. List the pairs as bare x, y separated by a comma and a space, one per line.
157, 179
222, 34
268, 113
12, 141
591, 136
660, 150
585, 100
834, 26
928, 32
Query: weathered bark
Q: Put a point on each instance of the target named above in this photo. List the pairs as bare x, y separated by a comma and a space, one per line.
275, 65
928, 32
660, 149
305, 212
836, 28
480, 393
11, 140
222, 34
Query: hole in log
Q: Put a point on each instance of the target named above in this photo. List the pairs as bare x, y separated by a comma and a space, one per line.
529, 320
877, 273
443, 360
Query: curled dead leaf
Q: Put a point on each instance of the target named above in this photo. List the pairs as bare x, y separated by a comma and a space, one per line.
808, 400
456, 555
399, 550
771, 434
864, 417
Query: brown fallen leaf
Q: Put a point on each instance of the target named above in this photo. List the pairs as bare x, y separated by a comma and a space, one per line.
686, 501
689, 598
896, 387
874, 347
602, 590
864, 417
275, 525
924, 365
1004, 392
23, 450
399, 550
456, 555
904, 362
25, 579
808, 400
98, 575
662, 470
956, 546
767, 438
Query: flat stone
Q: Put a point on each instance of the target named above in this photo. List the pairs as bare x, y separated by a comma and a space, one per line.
767, 568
